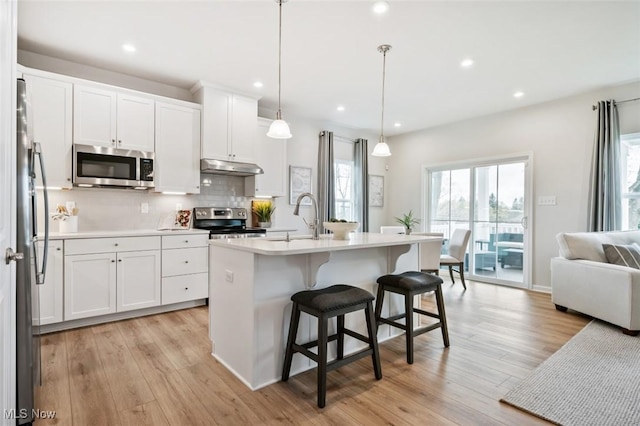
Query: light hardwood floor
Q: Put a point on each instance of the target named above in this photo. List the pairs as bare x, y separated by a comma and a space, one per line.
158, 370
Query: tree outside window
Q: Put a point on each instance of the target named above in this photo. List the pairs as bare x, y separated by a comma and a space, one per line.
630, 174
345, 203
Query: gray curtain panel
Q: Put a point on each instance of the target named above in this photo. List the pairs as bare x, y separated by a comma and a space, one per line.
605, 206
361, 165
326, 180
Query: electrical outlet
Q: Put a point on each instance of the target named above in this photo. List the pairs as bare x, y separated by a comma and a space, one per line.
228, 276
547, 200
178, 206
144, 207
70, 205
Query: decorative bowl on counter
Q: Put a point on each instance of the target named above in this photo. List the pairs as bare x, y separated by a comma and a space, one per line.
341, 229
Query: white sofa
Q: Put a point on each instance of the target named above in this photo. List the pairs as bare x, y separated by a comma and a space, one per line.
583, 280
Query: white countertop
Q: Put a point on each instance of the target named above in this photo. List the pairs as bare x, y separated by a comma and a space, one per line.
297, 245
123, 233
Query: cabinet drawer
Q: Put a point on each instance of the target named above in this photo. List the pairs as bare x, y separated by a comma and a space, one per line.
109, 245
185, 287
185, 261
185, 241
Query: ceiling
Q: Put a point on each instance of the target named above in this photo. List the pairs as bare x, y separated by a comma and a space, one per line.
546, 49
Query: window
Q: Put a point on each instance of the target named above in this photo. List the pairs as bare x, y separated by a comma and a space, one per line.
488, 197
630, 175
345, 203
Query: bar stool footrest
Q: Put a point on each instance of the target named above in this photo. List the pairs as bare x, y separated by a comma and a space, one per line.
337, 363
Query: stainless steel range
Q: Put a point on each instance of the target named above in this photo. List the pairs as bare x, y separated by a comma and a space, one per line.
225, 222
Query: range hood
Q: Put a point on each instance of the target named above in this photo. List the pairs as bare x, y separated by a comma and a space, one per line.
235, 168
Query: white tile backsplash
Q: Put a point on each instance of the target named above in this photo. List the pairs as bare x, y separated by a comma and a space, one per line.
105, 209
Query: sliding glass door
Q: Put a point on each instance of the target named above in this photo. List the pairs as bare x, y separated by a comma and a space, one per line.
490, 198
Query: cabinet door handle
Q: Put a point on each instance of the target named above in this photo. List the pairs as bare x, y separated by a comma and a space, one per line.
186, 241
116, 244
186, 288
113, 261
186, 261
119, 260
119, 141
58, 248
113, 141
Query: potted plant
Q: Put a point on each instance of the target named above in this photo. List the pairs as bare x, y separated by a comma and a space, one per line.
263, 211
408, 221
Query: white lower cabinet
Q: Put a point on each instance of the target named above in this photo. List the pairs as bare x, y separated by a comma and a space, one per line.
185, 269
112, 279
138, 280
50, 294
90, 285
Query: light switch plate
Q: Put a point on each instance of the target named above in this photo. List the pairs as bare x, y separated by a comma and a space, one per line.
547, 200
144, 207
228, 275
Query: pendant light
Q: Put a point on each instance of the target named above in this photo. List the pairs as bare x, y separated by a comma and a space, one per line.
279, 128
382, 149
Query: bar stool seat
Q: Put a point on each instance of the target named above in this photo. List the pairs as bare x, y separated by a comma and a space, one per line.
410, 284
334, 301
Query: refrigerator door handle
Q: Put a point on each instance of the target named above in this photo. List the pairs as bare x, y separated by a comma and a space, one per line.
40, 273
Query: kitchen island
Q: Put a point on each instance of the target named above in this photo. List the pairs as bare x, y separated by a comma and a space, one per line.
251, 282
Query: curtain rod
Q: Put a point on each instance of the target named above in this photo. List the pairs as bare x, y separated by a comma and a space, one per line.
594, 107
344, 138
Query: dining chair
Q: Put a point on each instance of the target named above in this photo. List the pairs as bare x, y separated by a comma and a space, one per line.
430, 252
392, 229
455, 257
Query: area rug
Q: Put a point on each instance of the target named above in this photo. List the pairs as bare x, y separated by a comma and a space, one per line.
594, 379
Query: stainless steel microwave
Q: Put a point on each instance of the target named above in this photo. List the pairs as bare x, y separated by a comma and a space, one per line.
112, 167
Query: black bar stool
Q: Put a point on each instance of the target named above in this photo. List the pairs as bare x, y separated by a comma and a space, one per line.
334, 301
410, 284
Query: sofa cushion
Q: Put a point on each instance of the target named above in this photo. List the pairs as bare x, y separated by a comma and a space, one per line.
588, 245
623, 255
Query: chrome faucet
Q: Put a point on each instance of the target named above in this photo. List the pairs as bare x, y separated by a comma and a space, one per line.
315, 225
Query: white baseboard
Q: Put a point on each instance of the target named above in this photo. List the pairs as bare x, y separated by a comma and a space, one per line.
84, 322
541, 288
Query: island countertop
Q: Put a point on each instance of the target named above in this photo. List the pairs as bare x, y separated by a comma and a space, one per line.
297, 245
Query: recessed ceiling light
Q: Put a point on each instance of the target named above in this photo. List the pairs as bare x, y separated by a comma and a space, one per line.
518, 94
380, 7
466, 63
128, 47
397, 125
258, 84
340, 108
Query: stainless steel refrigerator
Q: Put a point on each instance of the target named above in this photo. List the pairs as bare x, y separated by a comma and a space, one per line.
30, 270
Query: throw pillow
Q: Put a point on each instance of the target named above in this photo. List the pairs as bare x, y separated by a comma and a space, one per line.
624, 255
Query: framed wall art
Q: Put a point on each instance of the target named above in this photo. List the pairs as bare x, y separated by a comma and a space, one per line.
376, 191
299, 182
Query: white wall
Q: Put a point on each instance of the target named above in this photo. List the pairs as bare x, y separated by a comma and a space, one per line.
302, 150
560, 135
88, 72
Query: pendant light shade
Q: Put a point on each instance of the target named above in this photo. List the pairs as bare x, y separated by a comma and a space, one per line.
382, 149
279, 129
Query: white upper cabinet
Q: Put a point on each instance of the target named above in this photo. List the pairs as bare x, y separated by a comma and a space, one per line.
228, 124
51, 117
244, 117
271, 155
177, 161
135, 123
108, 118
